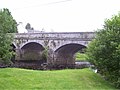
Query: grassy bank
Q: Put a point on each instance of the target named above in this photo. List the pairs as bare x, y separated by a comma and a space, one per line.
81, 79
80, 57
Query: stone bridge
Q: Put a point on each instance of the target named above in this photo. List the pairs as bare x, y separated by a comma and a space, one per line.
59, 47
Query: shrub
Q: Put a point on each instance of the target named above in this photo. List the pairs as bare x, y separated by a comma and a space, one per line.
104, 50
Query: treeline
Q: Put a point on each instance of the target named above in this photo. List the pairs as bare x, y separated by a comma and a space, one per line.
7, 25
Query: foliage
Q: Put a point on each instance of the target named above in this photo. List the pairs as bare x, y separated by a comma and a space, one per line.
78, 79
45, 54
104, 50
28, 27
5, 52
7, 25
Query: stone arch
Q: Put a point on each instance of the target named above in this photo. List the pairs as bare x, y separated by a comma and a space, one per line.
79, 46
31, 42
14, 45
13, 48
83, 43
32, 51
64, 55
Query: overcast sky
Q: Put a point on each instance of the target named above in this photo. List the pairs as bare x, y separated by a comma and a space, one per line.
62, 15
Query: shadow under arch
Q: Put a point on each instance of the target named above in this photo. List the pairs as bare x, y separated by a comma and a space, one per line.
32, 51
70, 48
13, 48
64, 55
31, 56
33, 45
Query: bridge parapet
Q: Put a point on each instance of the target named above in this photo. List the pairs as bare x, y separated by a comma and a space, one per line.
56, 35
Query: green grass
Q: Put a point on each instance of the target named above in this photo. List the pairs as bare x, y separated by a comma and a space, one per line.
80, 57
75, 79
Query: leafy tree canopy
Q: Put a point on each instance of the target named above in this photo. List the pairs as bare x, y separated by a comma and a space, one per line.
104, 50
28, 27
7, 25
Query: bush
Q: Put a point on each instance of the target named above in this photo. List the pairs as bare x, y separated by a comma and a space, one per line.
104, 50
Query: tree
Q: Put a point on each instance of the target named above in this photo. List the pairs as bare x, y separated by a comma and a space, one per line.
7, 25
28, 26
104, 50
5, 48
